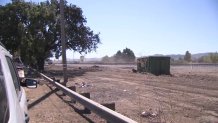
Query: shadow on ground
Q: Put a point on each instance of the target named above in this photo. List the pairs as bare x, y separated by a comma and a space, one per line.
81, 112
42, 98
73, 72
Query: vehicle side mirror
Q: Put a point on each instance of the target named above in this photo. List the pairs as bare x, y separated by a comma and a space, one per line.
30, 83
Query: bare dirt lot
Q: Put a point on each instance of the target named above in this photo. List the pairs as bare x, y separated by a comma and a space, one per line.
189, 95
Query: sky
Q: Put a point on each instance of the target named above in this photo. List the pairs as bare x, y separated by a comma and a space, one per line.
150, 27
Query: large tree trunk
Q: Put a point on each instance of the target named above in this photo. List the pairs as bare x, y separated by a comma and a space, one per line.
40, 64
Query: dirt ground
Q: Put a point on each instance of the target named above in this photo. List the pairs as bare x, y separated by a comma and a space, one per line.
189, 95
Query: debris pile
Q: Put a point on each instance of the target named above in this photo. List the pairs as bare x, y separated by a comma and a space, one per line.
83, 84
149, 114
134, 70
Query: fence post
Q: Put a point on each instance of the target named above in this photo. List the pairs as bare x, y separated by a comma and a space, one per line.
73, 88
109, 105
86, 110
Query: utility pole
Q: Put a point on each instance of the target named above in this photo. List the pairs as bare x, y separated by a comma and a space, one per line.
63, 43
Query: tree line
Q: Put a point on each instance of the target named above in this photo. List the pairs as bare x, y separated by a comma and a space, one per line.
209, 58
32, 30
126, 56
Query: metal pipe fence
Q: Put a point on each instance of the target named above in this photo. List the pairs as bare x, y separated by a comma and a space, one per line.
104, 112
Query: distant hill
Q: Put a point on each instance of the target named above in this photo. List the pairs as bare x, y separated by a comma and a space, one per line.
176, 56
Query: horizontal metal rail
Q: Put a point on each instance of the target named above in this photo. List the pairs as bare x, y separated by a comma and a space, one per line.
99, 109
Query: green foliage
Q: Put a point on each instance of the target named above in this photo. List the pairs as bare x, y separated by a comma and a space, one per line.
33, 30
105, 59
204, 59
187, 56
211, 58
13, 18
118, 56
214, 57
127, 56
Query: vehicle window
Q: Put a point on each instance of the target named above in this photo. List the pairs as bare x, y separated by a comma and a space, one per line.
4, 112
14, 74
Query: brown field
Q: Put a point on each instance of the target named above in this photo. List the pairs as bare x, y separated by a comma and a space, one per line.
189, 95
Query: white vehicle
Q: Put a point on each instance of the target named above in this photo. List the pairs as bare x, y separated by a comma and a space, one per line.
13, 103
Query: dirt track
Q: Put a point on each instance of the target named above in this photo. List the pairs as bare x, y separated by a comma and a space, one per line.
189, 95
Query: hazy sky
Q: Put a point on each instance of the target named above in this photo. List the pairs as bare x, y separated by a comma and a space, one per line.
151, 26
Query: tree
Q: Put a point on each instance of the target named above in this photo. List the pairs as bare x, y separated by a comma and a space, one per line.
12, 17
205, 59
214, 57
105, 59
34, 31
13, 1
210, 58
187, 56
128, 55
118, 56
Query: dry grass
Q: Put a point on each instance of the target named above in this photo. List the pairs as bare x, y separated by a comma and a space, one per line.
190, 95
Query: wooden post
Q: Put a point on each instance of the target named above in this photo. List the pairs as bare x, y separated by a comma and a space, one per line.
73, 88
109, 105
86, 110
